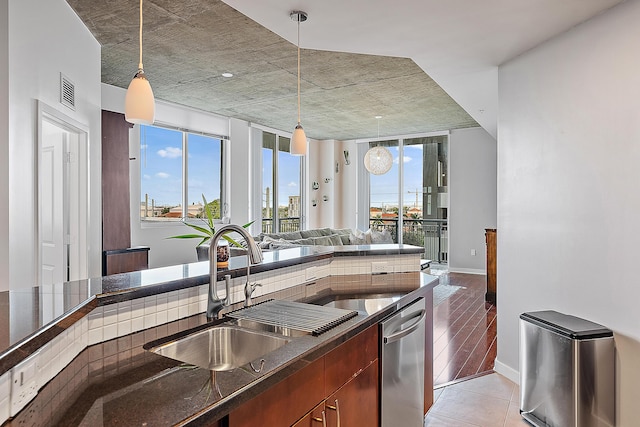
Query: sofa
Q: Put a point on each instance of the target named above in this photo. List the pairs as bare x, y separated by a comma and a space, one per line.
324, 237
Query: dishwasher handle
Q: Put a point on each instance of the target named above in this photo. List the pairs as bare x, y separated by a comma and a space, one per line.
403, 333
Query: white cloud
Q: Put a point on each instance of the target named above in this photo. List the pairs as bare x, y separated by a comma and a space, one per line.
170, 153
162, 175
143, 146
405, 159
145, 176
292, 184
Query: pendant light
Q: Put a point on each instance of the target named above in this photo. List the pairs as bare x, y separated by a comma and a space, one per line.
298, 144
139, 104
378, 160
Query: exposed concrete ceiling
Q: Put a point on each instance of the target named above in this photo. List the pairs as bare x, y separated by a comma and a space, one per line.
360, 58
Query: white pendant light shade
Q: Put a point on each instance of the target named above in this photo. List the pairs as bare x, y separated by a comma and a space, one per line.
378, 160
298, 144
139, 104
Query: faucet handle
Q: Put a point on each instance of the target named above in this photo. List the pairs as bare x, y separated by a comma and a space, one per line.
248, 291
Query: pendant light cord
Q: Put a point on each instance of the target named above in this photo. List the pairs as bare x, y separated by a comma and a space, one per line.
299, 70
140, 38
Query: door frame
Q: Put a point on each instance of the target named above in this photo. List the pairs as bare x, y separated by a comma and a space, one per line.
50, 114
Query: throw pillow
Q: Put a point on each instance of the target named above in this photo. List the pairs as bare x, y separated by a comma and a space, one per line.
335, 240
357, 237
383, 236
322, 240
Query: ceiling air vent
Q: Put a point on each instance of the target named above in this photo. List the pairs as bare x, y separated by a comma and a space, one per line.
67, 92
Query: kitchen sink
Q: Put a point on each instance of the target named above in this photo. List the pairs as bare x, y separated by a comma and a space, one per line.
221, 348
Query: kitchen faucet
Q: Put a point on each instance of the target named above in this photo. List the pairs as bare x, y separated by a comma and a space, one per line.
254, 256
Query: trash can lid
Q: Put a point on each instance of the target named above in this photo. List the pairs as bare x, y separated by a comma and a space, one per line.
566, 325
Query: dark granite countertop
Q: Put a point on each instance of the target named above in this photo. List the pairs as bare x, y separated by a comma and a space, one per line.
162, 392
31, 317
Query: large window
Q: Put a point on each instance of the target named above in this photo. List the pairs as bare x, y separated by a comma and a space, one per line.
281, 185
177, 168
411, 200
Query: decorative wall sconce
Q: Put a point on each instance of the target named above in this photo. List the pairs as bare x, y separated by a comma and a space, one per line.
327, 180
314, 203
325, 198
315, 185
346, 157
337, 167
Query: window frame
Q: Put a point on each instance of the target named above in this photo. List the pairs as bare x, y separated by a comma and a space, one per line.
224, 154
275, 218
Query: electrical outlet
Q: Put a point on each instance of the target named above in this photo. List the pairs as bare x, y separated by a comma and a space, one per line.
24, 383
381, 267
473, 252
310, 273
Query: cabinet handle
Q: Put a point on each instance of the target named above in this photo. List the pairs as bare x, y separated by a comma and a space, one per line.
322, 420
337, 409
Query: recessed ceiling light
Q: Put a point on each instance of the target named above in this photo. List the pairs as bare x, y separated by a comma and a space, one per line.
227, 75
378, 117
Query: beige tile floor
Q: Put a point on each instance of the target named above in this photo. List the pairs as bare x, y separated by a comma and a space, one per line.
487, 401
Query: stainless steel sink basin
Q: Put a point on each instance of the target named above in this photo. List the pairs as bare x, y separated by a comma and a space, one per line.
221, 348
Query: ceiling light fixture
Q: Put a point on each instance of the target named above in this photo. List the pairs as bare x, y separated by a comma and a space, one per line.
139, 104
298, 144
227, 75
378, 160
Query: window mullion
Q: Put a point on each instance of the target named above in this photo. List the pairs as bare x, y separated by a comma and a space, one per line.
185, 174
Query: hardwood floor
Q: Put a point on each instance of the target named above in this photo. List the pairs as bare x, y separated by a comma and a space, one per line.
464, 329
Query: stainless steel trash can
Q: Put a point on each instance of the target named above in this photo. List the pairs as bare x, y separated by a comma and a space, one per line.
567, 371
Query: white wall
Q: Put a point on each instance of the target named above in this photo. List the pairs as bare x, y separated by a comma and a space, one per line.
472, 197
345, 185
34, 74
4, 145
321, 166
568, 193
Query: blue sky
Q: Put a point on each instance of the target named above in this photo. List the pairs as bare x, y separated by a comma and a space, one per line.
161, 166
384, 188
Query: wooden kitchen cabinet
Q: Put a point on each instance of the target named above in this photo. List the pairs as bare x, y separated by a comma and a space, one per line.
348, 373
314, 418
356, 402
284, 403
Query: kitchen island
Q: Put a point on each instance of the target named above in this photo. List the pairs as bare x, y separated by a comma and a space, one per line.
115, 380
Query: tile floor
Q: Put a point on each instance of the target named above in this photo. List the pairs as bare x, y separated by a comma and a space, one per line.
487, 401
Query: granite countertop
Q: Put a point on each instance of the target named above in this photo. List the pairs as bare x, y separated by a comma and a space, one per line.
164, 392
31, 317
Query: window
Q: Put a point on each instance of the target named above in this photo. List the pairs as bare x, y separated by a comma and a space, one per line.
411, 200
281, 185
177, 168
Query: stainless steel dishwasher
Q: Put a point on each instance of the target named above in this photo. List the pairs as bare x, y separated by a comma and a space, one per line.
402, 390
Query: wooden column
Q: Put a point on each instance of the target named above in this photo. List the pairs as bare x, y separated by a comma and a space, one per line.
490, 238
117, 255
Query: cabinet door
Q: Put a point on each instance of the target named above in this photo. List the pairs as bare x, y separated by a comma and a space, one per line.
346, 360
315, 418
285, 402
355, 403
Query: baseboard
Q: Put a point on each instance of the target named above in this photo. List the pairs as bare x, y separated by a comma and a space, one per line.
467, 271
507, 371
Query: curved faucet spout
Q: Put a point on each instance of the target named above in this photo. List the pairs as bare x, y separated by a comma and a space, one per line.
254, 256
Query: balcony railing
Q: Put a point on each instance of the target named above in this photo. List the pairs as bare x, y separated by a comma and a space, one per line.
431, 234
285, 224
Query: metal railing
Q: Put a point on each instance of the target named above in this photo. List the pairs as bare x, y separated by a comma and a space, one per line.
431, 234
285, 224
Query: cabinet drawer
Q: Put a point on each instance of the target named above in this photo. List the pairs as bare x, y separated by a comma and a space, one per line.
348, 359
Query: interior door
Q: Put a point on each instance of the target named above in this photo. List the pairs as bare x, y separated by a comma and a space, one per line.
53, 191
62, 198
